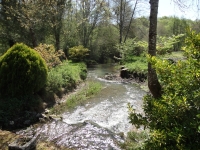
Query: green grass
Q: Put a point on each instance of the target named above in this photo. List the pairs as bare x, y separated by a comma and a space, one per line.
66, 75
174, 55
90, 89
138, 64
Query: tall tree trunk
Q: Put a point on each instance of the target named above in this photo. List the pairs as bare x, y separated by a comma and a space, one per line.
57, 41
121, 21
130, 21
153, 83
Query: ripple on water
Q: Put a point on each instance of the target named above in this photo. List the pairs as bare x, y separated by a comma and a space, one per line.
108, 115
83, 136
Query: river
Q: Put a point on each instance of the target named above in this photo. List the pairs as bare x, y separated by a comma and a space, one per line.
99, 123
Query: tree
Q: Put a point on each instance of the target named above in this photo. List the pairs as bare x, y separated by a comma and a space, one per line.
55, 11
90, 14
173, 120
123, 12
130, 21
34, 20
153, 83
10, 26
23, 21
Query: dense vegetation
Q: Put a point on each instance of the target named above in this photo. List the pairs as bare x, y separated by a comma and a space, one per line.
100, 31
173, 120
26, 82
89, 23
22, 72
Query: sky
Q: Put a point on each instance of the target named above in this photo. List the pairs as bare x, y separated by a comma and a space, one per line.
169, 8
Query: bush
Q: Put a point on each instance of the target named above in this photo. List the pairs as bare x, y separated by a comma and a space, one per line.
19, 110
138, 64
22, 71
131, 48
78, 53
66, 76
174, 118
166, 44
50, 55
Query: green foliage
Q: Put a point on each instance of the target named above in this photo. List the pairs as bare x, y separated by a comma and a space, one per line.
173, 119
66, 76
103, 43
12, 108
22, 71
78, 53
178, 55
49, 54
166, 44
89, 89
131, 48
137, 64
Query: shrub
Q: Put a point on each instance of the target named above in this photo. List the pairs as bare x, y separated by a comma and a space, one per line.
18, 110
78, 53
65, 76
166, 44
50, 55
22, 71
131, 48
138, 64
174, 118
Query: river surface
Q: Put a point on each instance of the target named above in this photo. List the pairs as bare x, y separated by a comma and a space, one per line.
99, 123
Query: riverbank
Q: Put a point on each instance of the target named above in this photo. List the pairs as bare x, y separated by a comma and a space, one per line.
109, 90
124, 75
66, 102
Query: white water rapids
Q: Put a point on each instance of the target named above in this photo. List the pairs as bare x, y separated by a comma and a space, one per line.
95, 124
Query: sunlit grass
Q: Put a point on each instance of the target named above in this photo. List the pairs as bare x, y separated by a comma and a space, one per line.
90, 89
175, 55
138, 65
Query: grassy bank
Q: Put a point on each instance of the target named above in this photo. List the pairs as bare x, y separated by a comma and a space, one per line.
60, 80
79, 97
137, 64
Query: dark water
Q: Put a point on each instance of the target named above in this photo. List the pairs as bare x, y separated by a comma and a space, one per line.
97, 123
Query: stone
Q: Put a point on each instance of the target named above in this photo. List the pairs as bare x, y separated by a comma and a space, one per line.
24, 143
11, 122
46, 111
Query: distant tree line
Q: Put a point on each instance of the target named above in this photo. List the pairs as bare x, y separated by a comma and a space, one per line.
96, 24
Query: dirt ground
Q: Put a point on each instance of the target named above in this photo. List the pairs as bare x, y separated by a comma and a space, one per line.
7, 137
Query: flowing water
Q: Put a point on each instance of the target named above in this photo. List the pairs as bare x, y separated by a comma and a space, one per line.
97, 123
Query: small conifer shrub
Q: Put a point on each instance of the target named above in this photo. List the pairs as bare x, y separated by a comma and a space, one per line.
22, 71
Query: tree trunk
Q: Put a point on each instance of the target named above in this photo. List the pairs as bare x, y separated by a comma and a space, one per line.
153, 83
33, 38
130, 21
57, 43
121, 21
